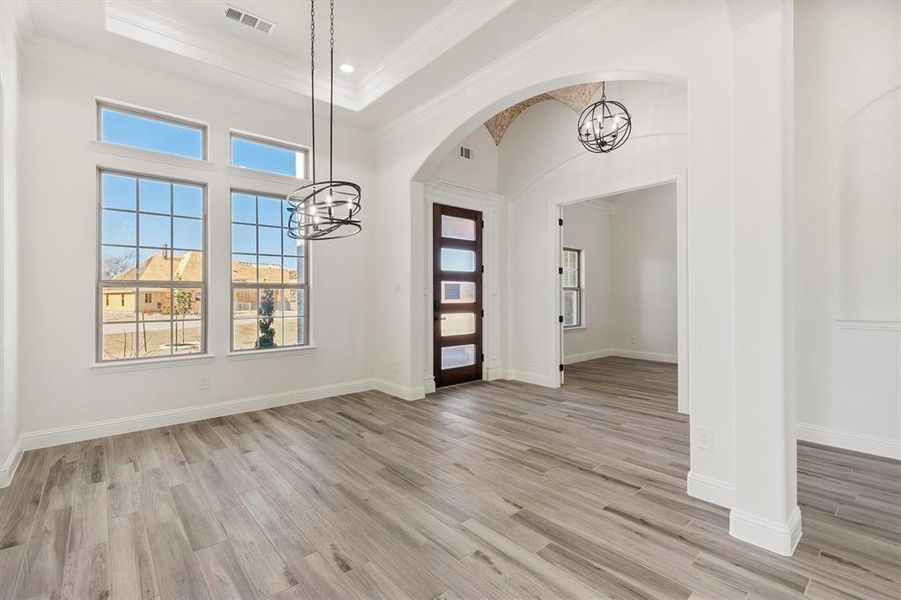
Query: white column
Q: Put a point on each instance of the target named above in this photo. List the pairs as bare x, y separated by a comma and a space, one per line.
765, 510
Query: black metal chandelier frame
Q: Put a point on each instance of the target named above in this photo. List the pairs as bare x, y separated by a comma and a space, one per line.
323, 210
605, 125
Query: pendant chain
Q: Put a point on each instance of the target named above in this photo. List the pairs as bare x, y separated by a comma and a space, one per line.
313, 85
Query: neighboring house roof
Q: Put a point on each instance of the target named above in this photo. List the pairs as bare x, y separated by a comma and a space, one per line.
189, 267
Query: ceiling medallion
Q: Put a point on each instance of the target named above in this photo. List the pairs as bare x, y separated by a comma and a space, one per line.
605, 125
323, 210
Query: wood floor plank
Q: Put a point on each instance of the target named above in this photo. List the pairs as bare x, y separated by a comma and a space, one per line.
223, 573
132, 573
178, 573
264, 567
86, 574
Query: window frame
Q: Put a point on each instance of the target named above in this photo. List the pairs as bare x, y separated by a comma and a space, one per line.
137, 284
579, 289
268, 141
233, 285
147, 113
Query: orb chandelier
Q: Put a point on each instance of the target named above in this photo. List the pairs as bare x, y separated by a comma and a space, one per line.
323, 210
605, 125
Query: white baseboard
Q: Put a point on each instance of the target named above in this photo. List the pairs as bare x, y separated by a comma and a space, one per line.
637, 354
533, 378
781, 538
98, 429
850, 440
397, 390
9, 466
583, 356
428, 385
715, 491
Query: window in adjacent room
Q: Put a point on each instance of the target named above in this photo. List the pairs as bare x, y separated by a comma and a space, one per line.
269, 276
260, 154
152, 264
150, 131
572, 287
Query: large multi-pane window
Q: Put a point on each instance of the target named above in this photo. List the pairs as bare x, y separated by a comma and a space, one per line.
572, 287
152, 271
150, 131
268, 273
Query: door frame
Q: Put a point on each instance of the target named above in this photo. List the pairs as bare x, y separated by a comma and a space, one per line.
493, 208
682, 296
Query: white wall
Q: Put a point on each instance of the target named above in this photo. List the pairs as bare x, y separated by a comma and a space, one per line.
9, 240
587, 226
846, 233
479, 172
643, 278
58, 201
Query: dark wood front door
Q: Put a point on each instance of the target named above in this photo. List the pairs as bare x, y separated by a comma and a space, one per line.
457, 288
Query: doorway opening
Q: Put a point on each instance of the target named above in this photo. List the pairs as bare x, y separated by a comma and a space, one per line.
622, 306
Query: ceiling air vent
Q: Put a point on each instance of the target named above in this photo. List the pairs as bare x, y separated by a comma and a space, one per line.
466, 153
245, 18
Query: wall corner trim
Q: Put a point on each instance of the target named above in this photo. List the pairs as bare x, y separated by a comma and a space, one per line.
715, 491
399, 391
781, 538
11, 464
533, 378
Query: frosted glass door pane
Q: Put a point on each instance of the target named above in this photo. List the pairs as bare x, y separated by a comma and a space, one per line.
457, 228
458, 356
458, 323
453, 259
457, 292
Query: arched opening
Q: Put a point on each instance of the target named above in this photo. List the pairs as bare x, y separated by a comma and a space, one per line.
550, 172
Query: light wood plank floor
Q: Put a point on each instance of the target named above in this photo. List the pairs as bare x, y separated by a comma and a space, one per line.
482, 491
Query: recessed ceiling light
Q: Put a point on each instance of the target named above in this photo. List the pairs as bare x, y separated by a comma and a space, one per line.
346, 68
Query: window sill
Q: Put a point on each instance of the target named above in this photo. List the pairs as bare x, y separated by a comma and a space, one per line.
575, 328
246, 173
145, 364
259, 354
150, 155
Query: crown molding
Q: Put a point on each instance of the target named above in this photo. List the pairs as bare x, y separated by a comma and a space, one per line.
147, 24
79, 58
452, 25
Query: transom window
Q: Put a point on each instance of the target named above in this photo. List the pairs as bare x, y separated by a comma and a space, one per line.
572, 287
152, 271
269, 275
260, 154
150, 131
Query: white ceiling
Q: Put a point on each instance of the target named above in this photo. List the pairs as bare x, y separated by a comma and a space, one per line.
404, 51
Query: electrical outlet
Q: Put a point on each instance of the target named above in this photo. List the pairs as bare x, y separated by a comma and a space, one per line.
703, 438
203, 382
